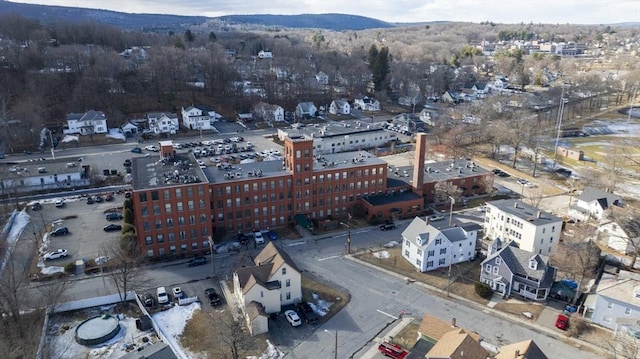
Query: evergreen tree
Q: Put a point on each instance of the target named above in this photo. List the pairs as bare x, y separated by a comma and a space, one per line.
379, 66
212, 37
189, 36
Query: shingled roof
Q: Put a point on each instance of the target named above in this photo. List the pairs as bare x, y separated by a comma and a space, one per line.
267, 263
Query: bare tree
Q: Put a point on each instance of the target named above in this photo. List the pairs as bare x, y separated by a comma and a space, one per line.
444, 190
12, 280
577, 256
627, 219
53, 294
124, 260
234, 336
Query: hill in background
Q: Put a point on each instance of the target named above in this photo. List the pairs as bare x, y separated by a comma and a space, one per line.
159, 22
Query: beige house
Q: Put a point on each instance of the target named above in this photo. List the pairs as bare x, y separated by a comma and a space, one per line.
274, 281
457, 344
257, 320
527, 349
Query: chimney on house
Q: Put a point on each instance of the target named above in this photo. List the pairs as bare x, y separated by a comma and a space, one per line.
515, 204
418, 163
453, 322
426, 220
517, 353
539, 214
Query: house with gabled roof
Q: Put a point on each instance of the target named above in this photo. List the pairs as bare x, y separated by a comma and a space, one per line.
306, 110
593, 203
510, 270
87, 123
366, 103
340, 107
615, 300
274, 281
163, 122
620, 231
268, 112
322, 78
427, 247
457, 344
451, 97
527, 349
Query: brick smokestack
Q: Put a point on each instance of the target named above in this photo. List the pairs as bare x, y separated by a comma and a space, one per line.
418, 163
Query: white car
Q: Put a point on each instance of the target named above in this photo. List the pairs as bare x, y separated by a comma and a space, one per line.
58, 253
152, 148
436, 217
60, 202
292, 318
258, 237
177, 293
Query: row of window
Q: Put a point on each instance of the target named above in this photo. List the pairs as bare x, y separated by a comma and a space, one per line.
167, 193
168, 207
181, 235
174, 250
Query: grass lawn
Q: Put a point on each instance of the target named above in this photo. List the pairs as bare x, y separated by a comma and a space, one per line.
463, 276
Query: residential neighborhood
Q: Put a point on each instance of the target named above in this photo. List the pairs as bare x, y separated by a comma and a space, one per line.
242, 188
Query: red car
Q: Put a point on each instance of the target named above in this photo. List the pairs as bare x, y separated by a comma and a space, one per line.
392, 350
562, 322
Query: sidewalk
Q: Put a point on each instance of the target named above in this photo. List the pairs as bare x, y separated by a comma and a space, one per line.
371, 353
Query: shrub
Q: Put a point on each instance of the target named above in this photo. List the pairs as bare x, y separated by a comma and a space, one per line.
70, 268
483, 290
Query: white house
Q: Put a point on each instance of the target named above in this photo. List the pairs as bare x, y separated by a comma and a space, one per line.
160, 122
533, 230
268, 112
427, 247
620, 232
306, 109
265, 54
616, 299
88, 123
196, 118
274, 281
366, 103
427, 115
129, 128
593, 203
322, 78
339, 107
45, 175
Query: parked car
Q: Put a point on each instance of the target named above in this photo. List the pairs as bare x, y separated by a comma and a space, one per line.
127, 163
306, 313
90, 200
112, 227
148, 301
58, 253
161, 293
36, 206
436, 217
136, 150
152, 148
60, 231
562, 322
177, 293
388, 226
113, 216
257, 236
59, 202
197, 261
212, 295
392, 350
108, 197
292, 318
99, 199
272, 235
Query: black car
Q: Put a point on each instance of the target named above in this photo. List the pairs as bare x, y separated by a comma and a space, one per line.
306, 313
60, 231
90, 200
197, 261
99, 199
36, 206
113, 216
388, 226
212, 295
112, 227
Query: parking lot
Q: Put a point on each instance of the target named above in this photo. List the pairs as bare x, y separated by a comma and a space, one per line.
86, 238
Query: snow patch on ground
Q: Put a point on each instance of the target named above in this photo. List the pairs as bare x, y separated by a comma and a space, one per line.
116, 133
171, 323
320, 307
271, 353
382, 255
20, 221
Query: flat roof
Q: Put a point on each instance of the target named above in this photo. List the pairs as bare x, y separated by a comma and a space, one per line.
381, 199
334, 129
524, 211
37, 167
154, 172
439, 171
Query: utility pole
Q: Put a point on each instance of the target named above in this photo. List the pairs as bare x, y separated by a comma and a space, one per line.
348, 241
453, 201
213, 263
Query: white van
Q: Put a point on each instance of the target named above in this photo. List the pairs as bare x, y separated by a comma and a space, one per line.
163, 298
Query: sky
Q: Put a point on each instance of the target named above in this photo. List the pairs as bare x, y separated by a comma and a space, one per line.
497, 11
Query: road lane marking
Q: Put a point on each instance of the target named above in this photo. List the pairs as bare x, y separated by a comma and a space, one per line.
387, 314
327, 258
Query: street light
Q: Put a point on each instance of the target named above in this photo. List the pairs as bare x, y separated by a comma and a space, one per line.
348, 242
453, 201
335, 344
213, 263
